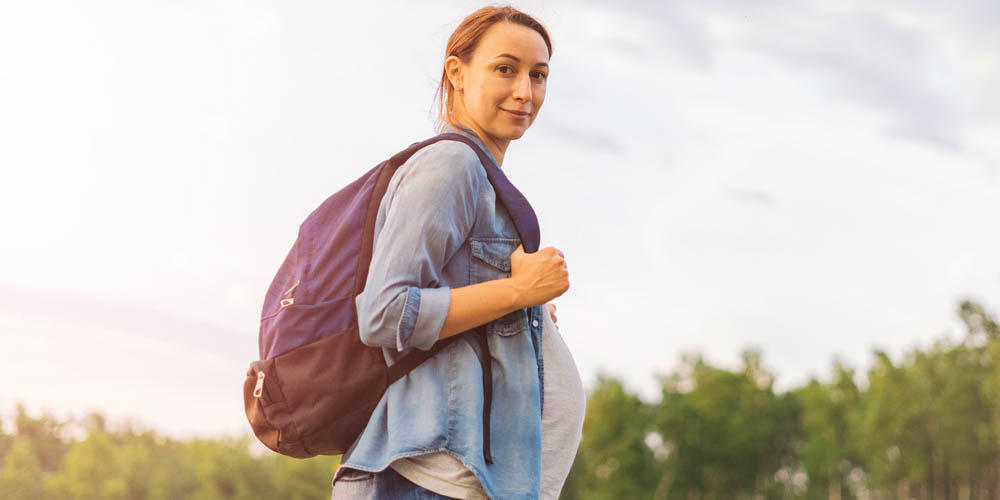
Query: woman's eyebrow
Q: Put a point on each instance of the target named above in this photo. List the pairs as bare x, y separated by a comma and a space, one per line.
519, 60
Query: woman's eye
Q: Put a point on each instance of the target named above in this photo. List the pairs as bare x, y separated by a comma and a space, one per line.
509, 70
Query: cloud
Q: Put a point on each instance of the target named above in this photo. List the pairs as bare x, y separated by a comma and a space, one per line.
586, 138
750, 196
893, 59
138, 321
649, 30
879, 64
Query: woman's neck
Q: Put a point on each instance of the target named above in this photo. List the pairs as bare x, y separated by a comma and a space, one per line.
496, 146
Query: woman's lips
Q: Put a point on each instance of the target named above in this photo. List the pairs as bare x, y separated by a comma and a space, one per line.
519, 116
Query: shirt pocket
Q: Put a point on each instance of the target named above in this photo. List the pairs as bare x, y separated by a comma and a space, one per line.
491, 261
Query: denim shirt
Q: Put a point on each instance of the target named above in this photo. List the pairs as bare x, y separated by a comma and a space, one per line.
445, 228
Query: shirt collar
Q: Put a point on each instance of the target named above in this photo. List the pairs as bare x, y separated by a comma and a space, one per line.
466, 131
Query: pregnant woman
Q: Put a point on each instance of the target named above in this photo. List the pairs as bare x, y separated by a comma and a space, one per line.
448, 259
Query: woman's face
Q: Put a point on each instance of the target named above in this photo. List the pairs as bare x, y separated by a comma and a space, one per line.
501, 89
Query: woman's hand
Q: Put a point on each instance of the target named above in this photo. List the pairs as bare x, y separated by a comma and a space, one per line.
540, 276
552, 311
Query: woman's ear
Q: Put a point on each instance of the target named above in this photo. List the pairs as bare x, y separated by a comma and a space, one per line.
453, 68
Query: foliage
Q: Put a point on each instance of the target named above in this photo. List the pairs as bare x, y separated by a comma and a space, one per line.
131, 464
21, 476
728, 434
923, 427
614, 461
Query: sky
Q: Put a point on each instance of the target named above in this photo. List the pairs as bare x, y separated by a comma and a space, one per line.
813, 179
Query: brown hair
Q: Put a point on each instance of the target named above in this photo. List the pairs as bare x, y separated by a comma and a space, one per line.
466, 37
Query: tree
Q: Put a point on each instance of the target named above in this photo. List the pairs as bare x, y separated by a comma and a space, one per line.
21, 477
45, 434
613, 461
91, 471
828, 453
728, 434
6, 441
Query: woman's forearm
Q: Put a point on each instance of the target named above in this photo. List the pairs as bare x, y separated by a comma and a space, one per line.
478, 304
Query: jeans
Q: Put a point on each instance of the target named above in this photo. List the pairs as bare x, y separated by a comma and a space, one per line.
362, 485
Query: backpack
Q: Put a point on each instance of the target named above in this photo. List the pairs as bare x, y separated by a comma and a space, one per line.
316, 384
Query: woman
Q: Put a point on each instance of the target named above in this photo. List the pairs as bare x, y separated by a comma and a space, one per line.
452, 261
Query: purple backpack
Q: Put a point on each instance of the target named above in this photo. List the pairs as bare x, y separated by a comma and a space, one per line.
316, 384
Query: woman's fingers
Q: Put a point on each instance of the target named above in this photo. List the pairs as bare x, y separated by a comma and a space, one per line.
552, 311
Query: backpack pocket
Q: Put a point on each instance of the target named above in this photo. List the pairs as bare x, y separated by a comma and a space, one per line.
491, 261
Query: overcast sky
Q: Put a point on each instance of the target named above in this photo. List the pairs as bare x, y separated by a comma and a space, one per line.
815, 179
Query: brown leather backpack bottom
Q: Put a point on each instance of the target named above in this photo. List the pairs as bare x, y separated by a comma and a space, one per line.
339, 382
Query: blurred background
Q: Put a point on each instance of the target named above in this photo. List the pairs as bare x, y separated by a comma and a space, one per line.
780, 218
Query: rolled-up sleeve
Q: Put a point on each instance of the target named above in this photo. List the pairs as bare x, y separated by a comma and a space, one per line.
431, 211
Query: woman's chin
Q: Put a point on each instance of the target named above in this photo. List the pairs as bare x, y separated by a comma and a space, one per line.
512, 133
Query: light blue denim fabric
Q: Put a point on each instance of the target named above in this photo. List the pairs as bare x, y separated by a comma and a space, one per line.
444, 228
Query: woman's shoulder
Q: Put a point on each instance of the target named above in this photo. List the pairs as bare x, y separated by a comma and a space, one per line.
445, 162
455, 153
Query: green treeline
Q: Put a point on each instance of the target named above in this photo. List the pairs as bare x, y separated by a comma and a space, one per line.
41, 462
925, 427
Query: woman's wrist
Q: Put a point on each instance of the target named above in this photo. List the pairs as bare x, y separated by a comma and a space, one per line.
516, 293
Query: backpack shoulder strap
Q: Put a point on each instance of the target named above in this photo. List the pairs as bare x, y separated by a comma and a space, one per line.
413, 359
526, 223
523, 216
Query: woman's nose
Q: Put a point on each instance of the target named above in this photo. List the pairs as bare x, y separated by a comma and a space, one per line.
522, 89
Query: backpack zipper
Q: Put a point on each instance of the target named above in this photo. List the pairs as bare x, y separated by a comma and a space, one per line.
259, 388
291, 300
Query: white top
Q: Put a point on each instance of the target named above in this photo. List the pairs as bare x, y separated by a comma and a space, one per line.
562, 425
441, 473
562, 415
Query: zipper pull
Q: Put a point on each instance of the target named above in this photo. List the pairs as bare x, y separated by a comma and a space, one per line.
289, 301
259, 388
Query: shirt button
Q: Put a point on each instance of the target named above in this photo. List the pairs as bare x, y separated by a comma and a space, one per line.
534, 323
